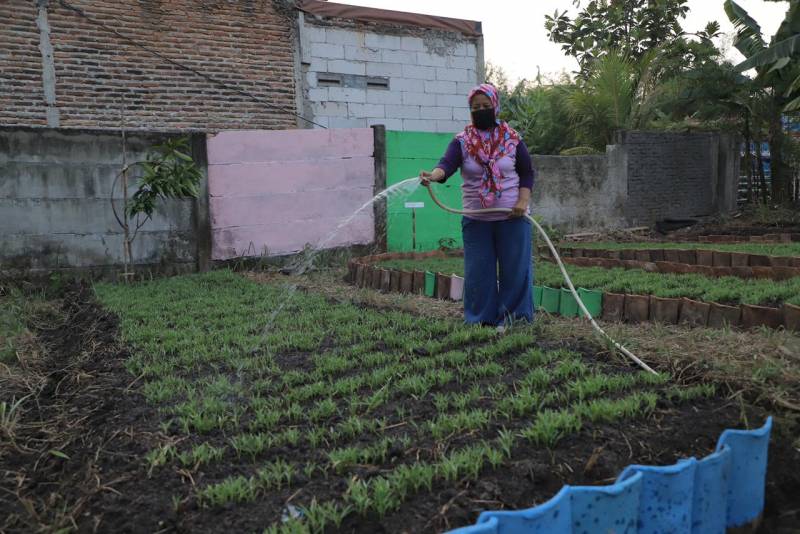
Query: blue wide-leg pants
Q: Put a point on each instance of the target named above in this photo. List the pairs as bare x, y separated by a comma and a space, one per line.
487, 245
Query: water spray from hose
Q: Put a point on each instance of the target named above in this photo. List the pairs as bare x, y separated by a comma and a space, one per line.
553, 250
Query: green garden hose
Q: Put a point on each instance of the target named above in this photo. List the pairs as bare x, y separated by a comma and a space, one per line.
553, 250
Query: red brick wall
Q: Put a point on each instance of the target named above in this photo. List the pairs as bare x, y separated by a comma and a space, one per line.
246, 43
21, 94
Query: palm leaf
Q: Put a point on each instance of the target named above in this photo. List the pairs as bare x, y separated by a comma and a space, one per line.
779, 51
794, 88
748, 37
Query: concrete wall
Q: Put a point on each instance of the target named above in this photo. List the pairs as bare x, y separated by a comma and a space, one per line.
55, 212
354, 77
579, 192
274, 192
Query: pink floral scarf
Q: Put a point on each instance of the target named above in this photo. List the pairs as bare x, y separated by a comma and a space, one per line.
489, 146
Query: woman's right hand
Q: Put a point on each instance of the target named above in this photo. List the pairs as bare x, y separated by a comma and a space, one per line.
436, 175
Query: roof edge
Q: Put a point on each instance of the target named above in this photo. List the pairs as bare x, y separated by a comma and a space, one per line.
323, 8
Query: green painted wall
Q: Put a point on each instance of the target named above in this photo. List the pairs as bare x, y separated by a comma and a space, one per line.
407, 153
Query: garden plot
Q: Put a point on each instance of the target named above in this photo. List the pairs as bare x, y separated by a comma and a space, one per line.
725, 290
228, 416
377, 420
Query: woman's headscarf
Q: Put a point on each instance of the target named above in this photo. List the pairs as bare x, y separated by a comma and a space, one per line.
489, 146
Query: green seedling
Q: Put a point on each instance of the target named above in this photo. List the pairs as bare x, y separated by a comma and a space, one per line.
497, 391
505, 440
200, 455
251, 444
384, 498
550, 426
163, 390
295, 412
595, 384
414, 477
441, 401
353, 427
533, 358
9, 416
495, 457
324, 409
415, 385
466, 462
447, 424
290, 436
570, 368
275, 475
309, 469
265, 419
315, 436
685, 394
524, 401
344, 458
231, 490
318, 516
537, 379
159, 456
358, 493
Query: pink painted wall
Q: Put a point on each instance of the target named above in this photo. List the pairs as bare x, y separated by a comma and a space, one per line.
278, 190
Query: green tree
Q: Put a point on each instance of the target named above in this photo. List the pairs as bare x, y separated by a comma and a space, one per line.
629, 27
539, 112
167, 172
777, 77
620, 92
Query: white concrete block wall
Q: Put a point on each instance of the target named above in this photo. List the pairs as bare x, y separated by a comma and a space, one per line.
428, 79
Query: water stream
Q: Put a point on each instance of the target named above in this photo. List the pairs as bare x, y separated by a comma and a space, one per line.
305, 260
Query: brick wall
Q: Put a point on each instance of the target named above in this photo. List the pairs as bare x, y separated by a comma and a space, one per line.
245, 43
670, 175
408, 79
21, 94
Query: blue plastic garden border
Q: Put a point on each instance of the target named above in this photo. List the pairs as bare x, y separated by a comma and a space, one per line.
723, 490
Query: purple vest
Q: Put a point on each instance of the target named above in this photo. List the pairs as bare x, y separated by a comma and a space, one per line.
471, 173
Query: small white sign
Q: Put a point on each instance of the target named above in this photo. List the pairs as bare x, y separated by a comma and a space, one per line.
413, 205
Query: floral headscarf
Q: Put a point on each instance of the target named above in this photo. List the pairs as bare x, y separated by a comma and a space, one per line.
489, 146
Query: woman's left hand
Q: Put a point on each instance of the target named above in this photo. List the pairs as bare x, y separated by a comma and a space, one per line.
519, 209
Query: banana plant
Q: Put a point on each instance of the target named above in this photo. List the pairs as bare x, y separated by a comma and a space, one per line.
777, 61
777, 72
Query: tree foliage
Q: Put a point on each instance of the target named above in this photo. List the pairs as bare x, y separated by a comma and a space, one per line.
167, 172
629, 27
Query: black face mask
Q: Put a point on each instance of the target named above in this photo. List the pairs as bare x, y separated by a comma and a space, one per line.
483, 119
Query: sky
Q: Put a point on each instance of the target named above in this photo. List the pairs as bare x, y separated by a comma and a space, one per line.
515, 38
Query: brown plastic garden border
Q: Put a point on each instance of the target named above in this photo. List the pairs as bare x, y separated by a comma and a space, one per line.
616, 306
728, 238
709, 263
688, 256
665, 310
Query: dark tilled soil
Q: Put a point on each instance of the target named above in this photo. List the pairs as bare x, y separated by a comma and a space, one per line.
91, 412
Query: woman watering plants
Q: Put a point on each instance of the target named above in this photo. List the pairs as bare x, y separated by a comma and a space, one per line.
497, 173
